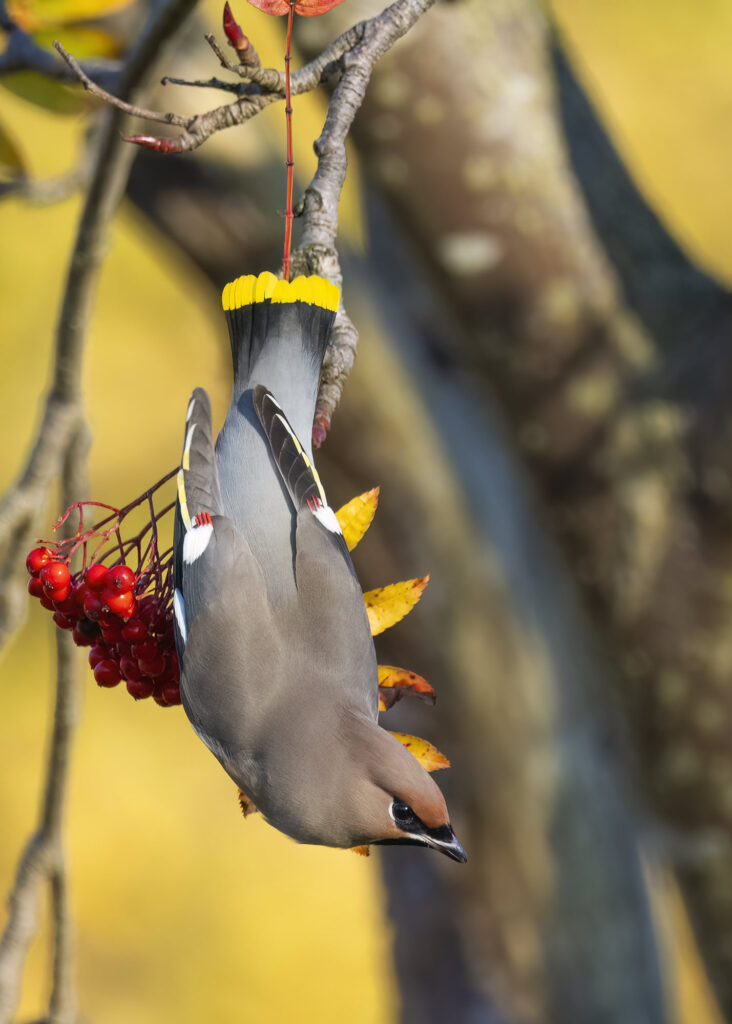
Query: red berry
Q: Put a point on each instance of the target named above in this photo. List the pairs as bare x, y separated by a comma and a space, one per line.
131, 670
122, 604
98, 653
68, 606
55, 575
82, 638
107, 673
96, 576
46, 602
135, 631
37, 558
139, 690
63, 621
145, 651
147, 609
153, 666
171, 694
111, 631
58, 596
92, 605
122, 578
35, 587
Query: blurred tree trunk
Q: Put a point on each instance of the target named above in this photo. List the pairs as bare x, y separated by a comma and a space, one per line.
614, 376
550, 918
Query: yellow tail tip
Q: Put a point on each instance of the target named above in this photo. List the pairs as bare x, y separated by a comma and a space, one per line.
248, 290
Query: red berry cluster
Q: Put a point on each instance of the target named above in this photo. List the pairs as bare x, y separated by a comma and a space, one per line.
130, 637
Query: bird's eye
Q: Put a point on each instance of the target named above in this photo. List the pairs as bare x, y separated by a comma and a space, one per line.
403, 815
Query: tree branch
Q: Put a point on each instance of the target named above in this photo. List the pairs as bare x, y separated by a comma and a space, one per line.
60, 448
23, 53
354, 52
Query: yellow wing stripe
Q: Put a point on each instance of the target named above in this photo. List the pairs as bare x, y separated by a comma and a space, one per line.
182, 500
246, 291
303, 456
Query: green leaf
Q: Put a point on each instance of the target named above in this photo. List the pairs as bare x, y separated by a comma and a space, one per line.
12, 164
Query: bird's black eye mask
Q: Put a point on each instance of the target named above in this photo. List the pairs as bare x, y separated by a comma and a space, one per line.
404, 818
441, 838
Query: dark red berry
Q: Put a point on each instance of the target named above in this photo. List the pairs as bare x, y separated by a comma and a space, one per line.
63, 621
111, 631
55, 576
139, 689
92, 605
131, 670
107, 673
135, 631
46, 602
147, 609
122, 578
82, 638
171, 694
68, 606
145, 651
153, 666
96, 576
37, 558
35, 587
98, 653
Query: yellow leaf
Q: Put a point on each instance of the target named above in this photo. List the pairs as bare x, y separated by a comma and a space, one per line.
426, 753
387, 605
395, 683
11, 160
355, 516
31, 15
247, 807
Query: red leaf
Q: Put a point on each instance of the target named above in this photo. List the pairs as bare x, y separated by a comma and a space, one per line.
306, 8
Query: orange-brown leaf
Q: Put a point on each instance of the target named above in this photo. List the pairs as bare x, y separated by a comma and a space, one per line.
387, 605
356, 515
426, 753
395, 683
362, 851
307, 8
247, 807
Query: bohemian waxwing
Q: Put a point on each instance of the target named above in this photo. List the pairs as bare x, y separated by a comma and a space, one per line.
278, 669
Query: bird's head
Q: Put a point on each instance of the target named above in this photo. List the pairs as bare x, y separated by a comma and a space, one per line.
398, 802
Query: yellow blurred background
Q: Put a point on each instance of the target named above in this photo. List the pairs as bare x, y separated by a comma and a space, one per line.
184, 912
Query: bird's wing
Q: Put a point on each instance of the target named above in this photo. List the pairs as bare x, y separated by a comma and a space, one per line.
329, 594
223, 620
296, 468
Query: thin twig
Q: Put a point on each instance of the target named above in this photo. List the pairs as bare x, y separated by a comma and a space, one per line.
58, 449
128, 108
23, 53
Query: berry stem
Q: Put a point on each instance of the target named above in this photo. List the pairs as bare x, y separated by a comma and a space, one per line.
289, 215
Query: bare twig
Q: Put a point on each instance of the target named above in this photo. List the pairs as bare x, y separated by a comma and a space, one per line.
23, 53
354, 53
59, 449
271, 83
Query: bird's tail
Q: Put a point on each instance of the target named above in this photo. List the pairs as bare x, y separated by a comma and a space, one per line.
279, 330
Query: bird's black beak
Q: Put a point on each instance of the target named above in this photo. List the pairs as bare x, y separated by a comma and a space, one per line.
442, 839
445, 840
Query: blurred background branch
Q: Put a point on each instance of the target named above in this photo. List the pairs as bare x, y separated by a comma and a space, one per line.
59, 453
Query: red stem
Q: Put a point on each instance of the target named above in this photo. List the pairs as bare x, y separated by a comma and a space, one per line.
289, 215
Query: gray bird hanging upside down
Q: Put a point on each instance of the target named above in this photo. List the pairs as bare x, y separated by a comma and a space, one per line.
278, 669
